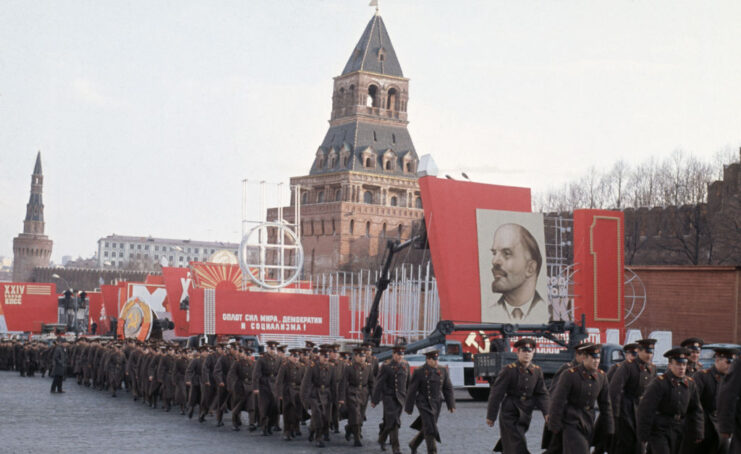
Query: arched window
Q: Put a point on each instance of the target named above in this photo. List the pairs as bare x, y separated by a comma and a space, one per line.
400, 229
368, 162
394, 201
304, 198
388, 165
383, 231
351, 95
334, 228
367, 229
352, 226
370, 100
321, 232
418, 202
391, 103
410, 166
320, 197
346, 163
393, 138
338, 195
368, 197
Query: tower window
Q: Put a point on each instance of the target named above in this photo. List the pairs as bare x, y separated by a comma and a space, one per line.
375, 137
418, 202
338, 195
352, 226
391, 100
367, 229
371, 99
394, 201
368, 197
320, 197
393, 138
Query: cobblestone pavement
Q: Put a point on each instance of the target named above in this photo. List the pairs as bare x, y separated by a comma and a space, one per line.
82, 420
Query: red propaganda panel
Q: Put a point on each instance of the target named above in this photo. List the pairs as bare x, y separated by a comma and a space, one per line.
178, 284
240, 313
110, 302
96, 311
25, 306
599, 261
450, 216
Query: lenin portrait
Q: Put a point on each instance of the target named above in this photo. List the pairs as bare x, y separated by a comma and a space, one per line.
512, 267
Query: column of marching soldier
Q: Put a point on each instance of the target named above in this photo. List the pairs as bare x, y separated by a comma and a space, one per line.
686, 410
320, 384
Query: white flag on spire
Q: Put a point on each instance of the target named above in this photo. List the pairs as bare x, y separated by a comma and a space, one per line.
373, 3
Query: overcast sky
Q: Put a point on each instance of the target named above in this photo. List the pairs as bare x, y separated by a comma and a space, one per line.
149, 113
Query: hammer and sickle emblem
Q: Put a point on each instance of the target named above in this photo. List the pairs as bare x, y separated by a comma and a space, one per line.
471, 341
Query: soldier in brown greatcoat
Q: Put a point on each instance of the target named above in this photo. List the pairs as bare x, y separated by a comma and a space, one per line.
670, 410
116, 369
235, 386
180, 396
353, 393
708, 383
391, 389
193, 380
338, 366
729, 410
221, 369
318, 391
573, 403
208, 384
626, 388
518, 389
430, 384
263, 379
288, 391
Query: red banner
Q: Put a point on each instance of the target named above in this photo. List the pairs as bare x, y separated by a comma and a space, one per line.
599, 262
450, 216
241, 313
178, 283
26, 305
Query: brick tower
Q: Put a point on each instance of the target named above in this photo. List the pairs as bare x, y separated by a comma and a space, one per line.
362, 187
32, 248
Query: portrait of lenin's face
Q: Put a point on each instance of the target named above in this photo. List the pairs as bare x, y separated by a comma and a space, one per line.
512, 263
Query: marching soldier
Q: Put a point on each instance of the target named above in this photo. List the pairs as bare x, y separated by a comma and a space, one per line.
391, 388
235, 387
553, 444
208, 383
353, 393
221, 369
603, 440
729, 411
338, 366
518, 389
288, 389
193, 380
708, 381
670, 408
694, 345
116, 370
572, 406
430, 384
626, 388
180, 395
263, 379
318, 389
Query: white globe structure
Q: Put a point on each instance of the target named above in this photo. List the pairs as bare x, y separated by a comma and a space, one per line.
271, 255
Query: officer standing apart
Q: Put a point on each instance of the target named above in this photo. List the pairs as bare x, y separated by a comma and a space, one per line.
430, 384
729, 411
518, 389
572, 410
670, 409
708, 381
391, 387
59, 357
626, 388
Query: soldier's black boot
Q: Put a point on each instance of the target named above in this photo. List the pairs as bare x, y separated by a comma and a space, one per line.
311, 435
356, 435
348, 432
416, 441
190, 412
326, 434
265, 431
252, 427
394, 438
431, 446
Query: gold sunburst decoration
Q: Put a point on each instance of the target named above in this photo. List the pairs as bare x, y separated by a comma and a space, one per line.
212, 275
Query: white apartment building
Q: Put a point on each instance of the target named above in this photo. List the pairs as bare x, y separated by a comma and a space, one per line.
114, 251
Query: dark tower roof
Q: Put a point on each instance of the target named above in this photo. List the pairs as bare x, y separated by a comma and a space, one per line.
37, 167
35, 206
374, 52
